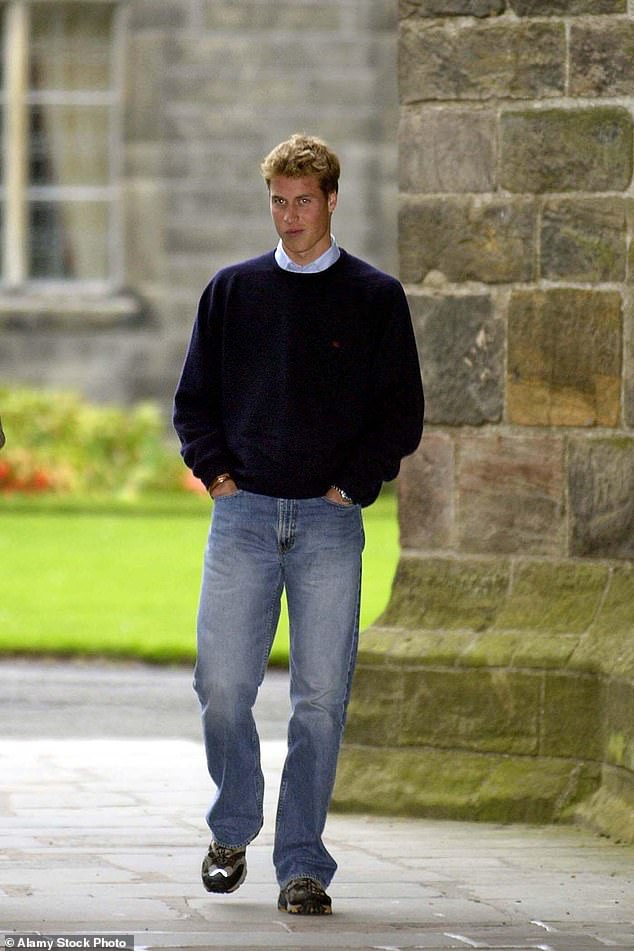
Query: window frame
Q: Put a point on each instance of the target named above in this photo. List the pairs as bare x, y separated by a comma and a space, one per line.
17, 100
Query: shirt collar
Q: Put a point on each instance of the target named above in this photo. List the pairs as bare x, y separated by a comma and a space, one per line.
324, 261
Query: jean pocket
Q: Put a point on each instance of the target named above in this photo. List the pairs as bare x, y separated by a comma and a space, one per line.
337, 505
227, 495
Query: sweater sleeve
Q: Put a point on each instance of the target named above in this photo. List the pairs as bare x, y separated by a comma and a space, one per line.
197, 409
395, 420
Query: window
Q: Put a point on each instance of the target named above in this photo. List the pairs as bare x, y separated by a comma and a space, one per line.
60, 102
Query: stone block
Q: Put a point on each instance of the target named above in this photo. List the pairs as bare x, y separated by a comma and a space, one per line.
566, 150
376, 707
628, 361
144, 162
193, 123
629, 209
584, 239
166, 15
235, 56
448, 594
510, 492
564, 358
145, 87
553, 597
280, 17
144, 212
610, 811
617, 610
409, 782
601, 497
381, 646
447, 151
381, 16
188, 270
490, 649
609, 648
495, 711
619, 713
177, 161
461, 345
106, 364
461, 785
481, 60
602, 58
425, 488
195, 238
448, 8
467, 239
523, 649
199, 203
544, 8
572, 722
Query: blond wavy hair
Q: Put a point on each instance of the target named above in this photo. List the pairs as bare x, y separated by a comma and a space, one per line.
302, 155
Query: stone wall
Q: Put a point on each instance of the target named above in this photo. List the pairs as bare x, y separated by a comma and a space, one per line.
500, 682
210, 87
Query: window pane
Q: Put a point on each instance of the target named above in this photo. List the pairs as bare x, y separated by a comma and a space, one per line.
70, 46
69, 240
2, 122
69, 145
69, 142
2, 46
3, 93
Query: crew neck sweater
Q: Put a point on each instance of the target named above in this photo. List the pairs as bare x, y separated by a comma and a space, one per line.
296, 382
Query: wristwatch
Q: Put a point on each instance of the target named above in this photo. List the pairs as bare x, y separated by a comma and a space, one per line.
218, 481
344, 495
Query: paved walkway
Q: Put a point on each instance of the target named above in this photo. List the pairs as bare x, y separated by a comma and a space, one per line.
103, 790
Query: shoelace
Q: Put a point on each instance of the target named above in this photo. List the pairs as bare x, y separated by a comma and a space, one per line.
222, 855
310, 886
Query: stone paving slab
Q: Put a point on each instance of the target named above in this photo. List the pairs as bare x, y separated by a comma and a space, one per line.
107, 834
53, 698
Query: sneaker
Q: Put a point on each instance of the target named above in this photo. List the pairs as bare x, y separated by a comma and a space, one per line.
304, 896
224, 869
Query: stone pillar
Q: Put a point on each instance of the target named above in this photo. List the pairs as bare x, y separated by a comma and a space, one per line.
499, 684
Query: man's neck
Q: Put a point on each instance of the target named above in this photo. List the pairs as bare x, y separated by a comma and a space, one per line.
321, 263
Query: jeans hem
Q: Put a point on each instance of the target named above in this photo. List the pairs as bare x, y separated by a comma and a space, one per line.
310, 875
232, 848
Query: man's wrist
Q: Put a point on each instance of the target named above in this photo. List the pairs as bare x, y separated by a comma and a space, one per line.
223, 477
344, 495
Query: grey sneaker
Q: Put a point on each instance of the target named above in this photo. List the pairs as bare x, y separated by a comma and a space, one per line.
224, 869
304, 896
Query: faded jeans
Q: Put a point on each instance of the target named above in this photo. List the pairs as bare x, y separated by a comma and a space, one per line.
258, 546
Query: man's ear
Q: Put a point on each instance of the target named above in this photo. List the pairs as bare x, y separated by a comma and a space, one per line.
332, 201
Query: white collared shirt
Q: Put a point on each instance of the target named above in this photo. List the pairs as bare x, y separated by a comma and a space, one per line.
322, 263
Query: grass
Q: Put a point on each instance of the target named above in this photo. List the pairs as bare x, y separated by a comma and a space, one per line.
98, 577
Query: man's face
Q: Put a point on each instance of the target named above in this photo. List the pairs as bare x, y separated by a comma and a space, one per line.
301, 214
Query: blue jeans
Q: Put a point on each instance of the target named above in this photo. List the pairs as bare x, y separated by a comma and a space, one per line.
258, 546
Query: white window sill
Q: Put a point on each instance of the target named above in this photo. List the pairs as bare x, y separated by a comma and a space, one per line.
76, 311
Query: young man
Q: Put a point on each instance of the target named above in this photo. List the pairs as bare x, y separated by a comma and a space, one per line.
299, 396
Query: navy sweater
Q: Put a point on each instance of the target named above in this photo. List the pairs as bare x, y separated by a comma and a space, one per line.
296, 382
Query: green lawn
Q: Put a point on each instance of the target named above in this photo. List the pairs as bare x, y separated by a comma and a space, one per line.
122, 579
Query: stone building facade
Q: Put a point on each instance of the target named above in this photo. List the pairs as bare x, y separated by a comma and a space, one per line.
500, 681
194, 93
